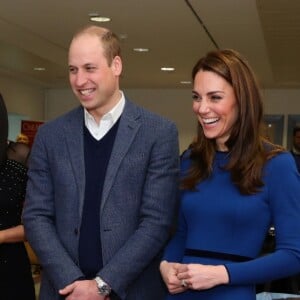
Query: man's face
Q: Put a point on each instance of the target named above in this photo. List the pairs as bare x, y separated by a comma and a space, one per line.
93, 81
296, 141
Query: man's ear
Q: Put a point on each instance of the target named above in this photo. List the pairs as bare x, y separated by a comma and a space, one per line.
117, 65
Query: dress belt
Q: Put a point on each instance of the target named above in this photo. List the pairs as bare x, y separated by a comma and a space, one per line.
218, 255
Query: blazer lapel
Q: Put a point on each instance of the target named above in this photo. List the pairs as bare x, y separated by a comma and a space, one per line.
74, 139
128, 127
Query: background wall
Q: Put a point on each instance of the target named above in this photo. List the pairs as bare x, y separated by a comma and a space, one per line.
24, 101
286, 102
23, 98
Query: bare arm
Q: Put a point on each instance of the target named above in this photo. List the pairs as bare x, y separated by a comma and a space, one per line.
12, 235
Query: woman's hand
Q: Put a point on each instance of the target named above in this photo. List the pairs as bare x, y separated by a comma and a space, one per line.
169, 272
202, 277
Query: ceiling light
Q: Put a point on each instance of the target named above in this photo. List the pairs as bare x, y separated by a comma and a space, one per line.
185, 82
95, 17
123, 36
167, 69
39, 69
140, 49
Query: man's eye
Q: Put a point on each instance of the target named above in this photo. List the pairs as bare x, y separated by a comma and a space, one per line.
90, 68
72, 70
195, 97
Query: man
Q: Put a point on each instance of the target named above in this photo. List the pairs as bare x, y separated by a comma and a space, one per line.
296, 146
102, 185
22, 138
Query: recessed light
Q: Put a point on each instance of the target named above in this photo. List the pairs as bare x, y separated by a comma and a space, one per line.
95, 17
39, 69
123, 36
141, 49
167, 69
100, 19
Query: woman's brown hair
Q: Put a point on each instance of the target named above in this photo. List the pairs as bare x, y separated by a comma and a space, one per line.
248, 149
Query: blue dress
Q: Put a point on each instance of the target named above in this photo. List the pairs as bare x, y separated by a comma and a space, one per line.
218, 225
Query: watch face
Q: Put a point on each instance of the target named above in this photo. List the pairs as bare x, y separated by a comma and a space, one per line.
104, 290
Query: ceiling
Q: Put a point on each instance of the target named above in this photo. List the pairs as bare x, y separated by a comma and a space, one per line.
35, 33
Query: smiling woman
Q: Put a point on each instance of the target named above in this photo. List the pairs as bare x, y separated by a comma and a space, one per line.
235, 184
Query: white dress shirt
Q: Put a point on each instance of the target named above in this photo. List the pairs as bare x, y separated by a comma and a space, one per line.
98, 131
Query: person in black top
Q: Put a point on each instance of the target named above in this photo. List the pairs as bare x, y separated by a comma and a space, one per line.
15, 269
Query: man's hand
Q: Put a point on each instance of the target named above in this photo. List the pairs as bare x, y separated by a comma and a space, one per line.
82, 290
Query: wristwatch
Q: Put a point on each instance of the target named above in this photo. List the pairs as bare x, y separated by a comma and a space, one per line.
103, 288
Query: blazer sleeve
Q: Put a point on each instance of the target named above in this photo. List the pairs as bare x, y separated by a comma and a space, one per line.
40, 211
156, 212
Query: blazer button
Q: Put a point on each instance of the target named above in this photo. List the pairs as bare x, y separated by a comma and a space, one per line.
76, 231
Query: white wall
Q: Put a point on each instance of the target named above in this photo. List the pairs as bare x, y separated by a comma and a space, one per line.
24, 101
176, 105
21, 98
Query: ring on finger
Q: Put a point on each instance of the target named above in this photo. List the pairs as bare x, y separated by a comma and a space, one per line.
184, 283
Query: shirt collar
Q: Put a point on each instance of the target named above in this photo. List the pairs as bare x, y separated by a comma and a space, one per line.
113, 115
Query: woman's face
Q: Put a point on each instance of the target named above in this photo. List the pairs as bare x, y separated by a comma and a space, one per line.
215, 106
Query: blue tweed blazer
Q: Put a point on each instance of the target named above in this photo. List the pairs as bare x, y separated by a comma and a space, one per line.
137, 206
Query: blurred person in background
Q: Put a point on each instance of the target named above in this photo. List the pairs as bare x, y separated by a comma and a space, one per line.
15, 270
22, 138
296, 146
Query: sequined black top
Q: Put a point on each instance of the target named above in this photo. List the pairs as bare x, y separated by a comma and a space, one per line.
15, 270
13, 177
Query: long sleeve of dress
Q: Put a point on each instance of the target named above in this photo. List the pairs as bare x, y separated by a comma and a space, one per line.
283, 190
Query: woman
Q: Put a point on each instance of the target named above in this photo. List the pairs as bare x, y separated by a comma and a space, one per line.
15, 271
235, 185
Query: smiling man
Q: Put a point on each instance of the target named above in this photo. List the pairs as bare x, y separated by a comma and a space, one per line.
102, 185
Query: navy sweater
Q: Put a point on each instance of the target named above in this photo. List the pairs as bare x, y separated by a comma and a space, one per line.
96, 155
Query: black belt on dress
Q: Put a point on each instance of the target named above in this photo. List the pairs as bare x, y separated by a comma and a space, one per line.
218, 255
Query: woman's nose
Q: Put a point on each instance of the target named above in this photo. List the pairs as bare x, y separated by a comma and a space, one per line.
202, 106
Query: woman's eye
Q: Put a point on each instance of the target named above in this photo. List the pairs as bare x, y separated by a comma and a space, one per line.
216, 97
